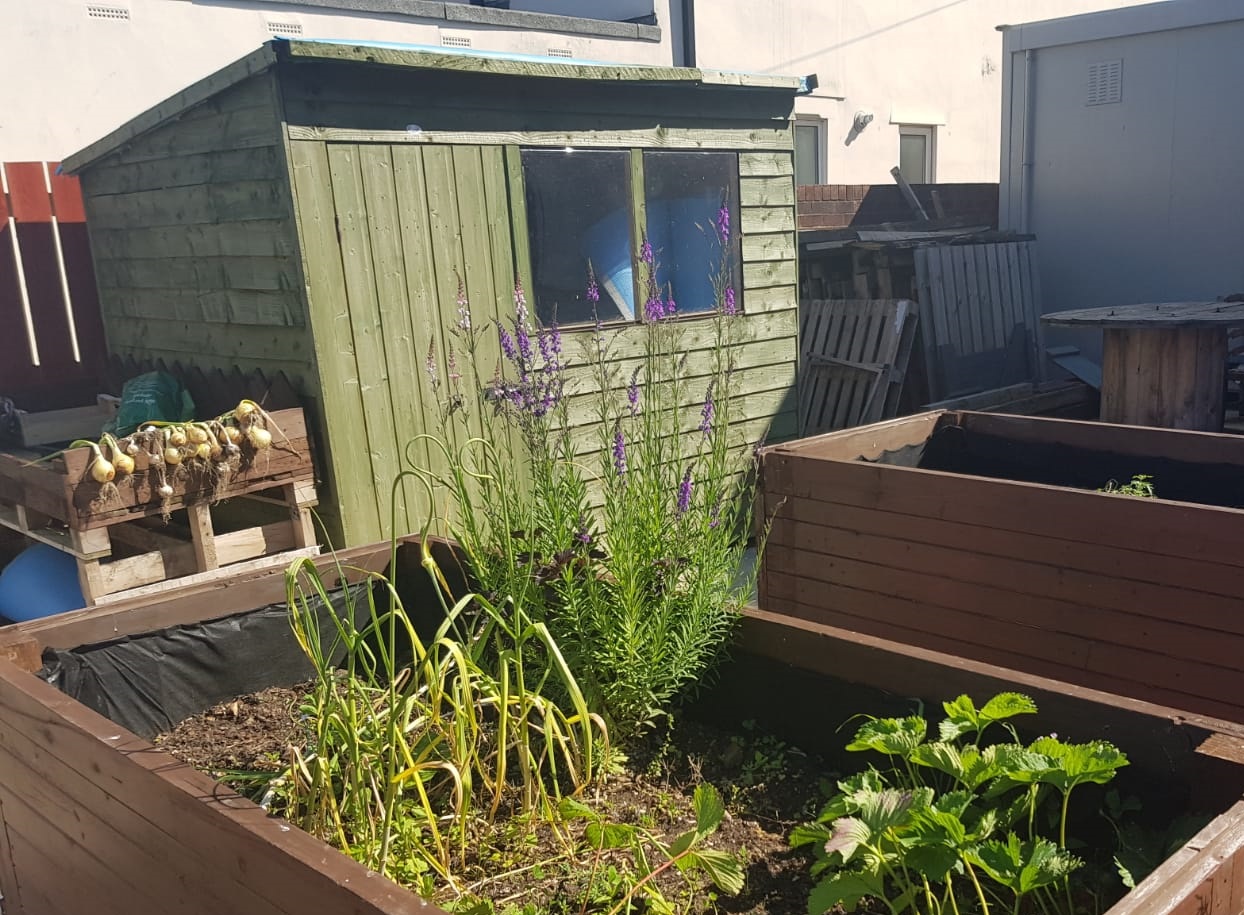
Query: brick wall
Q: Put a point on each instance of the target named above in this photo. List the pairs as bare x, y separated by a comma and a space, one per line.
839, 206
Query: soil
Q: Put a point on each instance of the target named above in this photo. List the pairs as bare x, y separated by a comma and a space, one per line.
768, 787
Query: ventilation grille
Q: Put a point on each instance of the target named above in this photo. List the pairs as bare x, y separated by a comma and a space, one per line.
455, 41
95, 11
284, 28
560, 52
1105, 83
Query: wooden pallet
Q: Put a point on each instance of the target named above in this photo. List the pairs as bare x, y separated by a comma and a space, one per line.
119, 539
854, 356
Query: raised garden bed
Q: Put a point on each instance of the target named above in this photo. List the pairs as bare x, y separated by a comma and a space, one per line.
141, 832
986, 537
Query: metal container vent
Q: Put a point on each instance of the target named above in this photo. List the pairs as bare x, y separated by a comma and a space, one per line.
560, 52
455, 41
96, 11
1105, 82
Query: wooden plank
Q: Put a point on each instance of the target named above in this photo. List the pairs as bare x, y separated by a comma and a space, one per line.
366, 326
1072, 608
254, 238
341, 400
764, 304
766, 274
775, 246
758, 219
397, 343
753, 165
766, 192
1164, 314
61, 425
233, 201
224, 165
651, 138
997, 320
259, 307
202, 537
236, 841
211, 86
148, 576
518, 215
23, 653
1146, 526
928, 320
260, 273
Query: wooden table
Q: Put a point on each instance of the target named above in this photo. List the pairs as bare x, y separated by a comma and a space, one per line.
1162, 364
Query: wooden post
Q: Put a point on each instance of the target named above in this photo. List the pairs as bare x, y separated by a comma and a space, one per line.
1169, 377
301, 497
202, 536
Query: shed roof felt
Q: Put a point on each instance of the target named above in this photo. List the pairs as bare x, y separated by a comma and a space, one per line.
420, 57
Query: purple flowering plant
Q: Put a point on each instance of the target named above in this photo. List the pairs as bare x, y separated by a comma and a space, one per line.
611, 493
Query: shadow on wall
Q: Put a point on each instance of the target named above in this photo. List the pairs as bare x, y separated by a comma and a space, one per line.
841, 206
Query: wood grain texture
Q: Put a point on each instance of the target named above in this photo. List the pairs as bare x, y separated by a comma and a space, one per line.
1172, 377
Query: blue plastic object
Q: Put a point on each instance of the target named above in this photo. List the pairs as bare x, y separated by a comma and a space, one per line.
40, 581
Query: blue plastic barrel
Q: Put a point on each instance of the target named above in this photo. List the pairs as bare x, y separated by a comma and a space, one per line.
40, 581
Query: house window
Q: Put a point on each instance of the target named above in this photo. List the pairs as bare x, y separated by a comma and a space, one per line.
915, 154
587, 206
809, 151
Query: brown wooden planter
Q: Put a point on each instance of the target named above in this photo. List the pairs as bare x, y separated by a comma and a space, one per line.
96, 819
996, 547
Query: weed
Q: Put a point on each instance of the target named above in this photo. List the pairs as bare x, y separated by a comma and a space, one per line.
1140, 485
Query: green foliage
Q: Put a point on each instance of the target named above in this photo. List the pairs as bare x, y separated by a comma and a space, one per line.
953, 824
587, 491
1141, 485
686, 853
403, 754
1141, 849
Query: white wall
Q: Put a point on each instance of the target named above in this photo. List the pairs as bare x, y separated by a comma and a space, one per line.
935, 62
1142, 200
66, 79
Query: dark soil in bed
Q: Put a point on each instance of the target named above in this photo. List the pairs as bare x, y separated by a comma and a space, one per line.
768, 787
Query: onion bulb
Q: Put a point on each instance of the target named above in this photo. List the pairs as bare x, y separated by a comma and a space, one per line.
132, 447
102, 470
245, 409
233, 434
172, 456
259, 437
123, 463
203, 451
165, 491
196, 434
214, 451
177, 436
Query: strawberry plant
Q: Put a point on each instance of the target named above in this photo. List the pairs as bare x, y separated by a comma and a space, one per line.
954, 824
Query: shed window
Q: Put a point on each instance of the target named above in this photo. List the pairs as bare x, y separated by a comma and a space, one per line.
588, 207
683, 193
579, 210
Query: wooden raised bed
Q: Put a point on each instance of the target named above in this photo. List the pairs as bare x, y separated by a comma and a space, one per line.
140, 831
995, 546
56, 502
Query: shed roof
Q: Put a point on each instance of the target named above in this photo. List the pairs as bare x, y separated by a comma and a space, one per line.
1163, 16
420, 57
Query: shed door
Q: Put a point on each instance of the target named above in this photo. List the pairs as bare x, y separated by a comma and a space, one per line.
389, 232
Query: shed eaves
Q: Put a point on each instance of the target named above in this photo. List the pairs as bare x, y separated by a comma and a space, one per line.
418, 57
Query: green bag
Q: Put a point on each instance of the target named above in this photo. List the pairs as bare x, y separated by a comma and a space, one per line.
154, 396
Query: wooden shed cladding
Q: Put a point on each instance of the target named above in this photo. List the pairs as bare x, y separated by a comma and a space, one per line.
193, 240
1132, 596
313, 207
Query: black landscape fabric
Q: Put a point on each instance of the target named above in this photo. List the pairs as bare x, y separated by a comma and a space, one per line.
150, 682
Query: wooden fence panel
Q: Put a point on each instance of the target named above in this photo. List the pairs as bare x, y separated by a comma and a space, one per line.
52, 347
980, 316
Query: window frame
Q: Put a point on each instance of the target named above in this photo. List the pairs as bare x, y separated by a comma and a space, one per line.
638, 221
929, 133
821, 125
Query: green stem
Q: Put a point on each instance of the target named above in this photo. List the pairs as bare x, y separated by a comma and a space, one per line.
980, 893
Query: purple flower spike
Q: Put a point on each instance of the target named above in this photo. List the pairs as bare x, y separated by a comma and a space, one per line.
555, 340
619, 450
464, 310
645, 252
670, 306
524, 342
632, 392
583, 535
593, 290
507, 344
684, 492
706, 414
654, 310
723, 224
429, 365
729, 308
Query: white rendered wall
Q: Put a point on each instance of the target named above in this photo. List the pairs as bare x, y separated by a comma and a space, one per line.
66, 79
931, 62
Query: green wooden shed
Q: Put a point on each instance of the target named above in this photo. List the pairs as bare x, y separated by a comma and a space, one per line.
312, 207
